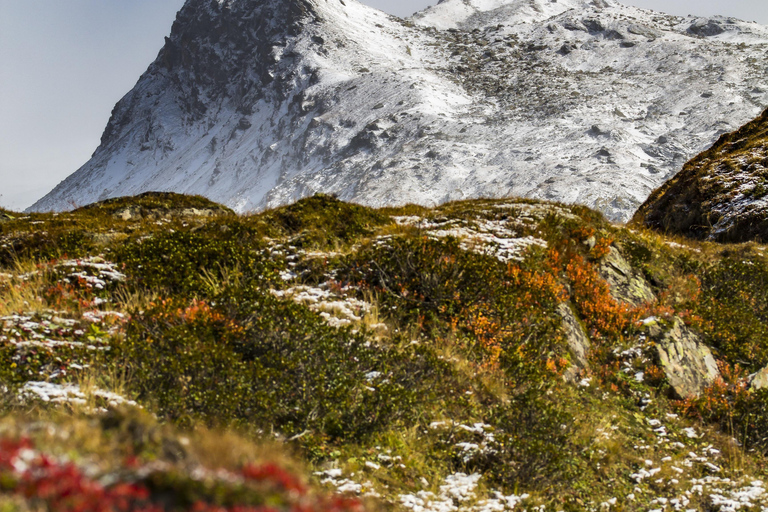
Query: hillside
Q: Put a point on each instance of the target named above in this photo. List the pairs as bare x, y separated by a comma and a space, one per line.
257, 103
720, 194
162, 353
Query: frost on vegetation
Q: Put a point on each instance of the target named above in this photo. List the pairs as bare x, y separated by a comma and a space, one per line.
493, 237
69, 393
336, 308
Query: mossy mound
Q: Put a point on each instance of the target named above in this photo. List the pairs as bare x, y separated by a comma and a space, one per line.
155, 205
322, 221
721, 194
95, 227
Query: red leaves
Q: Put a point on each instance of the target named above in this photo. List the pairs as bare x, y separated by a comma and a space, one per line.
273, 473
50, 485
63, 487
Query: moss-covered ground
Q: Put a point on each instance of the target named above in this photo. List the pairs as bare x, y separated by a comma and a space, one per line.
403, 358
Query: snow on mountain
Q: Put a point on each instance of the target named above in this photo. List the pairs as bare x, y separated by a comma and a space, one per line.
255, 103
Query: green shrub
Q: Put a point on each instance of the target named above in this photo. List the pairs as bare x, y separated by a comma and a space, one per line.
260, 362
181, 262
734, 306
535, 443
322, 221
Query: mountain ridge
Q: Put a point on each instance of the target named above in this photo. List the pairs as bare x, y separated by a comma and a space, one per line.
720, 194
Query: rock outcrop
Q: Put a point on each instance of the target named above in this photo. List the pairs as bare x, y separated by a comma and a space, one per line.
687, 363
578, 342
626, 283
759, 380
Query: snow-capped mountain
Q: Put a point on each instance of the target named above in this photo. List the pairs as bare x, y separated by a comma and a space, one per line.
255, 103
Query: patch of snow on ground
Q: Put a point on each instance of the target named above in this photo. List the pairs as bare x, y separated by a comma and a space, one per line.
337, 309
493, 237
334, 477
458, 494
69, 393
94, 271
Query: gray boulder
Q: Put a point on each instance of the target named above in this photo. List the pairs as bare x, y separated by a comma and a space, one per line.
705, 27
687, 363
626, 284
578, 342
759, 380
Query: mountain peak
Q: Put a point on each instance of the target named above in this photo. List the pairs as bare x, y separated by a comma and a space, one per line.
256, 103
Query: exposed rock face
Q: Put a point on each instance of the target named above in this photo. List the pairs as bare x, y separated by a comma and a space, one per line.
688, 363
578, 342
759, 380
256, 103
626, 284
721, 195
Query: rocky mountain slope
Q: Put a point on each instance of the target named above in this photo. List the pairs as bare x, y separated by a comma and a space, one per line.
719, 195
255, 103
161, 353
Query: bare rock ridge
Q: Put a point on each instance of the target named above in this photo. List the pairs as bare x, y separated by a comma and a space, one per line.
721, 194
215, 52
256, 103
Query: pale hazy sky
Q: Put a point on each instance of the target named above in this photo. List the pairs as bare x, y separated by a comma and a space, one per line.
65, 63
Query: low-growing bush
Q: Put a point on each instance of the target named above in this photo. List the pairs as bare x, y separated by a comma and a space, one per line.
736, 410
179, 262
51, 484
500, 313
250, 359
322, 221
54, 241
734, 305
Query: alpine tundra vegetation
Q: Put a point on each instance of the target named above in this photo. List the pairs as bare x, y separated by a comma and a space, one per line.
161, 352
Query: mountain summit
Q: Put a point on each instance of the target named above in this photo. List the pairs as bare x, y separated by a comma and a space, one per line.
255, 103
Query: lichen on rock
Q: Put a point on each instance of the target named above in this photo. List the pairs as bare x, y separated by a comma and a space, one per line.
626, 283
687, 363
